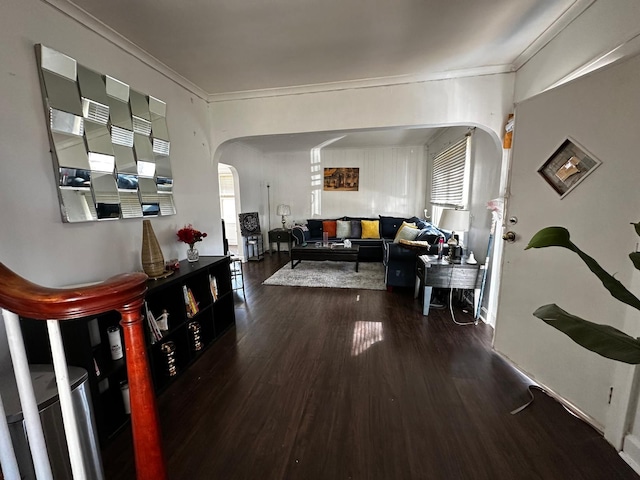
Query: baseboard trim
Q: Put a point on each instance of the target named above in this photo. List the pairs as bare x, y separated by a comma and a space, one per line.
630, 461
569, 406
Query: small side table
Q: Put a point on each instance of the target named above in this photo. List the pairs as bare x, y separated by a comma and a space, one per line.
432, 272
278, 236
255, 249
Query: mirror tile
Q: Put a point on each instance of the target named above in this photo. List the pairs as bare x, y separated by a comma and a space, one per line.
139, 105
77, 205
167, 205
98, 138
57, 62
70, 151
130, 204
116, 89
125, 161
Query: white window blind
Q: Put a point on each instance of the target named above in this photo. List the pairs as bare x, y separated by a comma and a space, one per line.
449, 183
226, 184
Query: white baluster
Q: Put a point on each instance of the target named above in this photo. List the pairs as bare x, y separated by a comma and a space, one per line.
66, 402
7, 454
27, 397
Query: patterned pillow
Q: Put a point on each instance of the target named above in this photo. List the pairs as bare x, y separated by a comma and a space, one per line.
343, 229
329, 226
356, 229
370, 228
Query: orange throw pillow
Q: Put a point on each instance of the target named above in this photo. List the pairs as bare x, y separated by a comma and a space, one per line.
329, 226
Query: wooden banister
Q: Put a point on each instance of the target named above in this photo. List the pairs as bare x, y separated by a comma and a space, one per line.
125, 294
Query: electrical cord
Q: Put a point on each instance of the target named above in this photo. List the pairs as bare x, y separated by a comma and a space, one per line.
453, 317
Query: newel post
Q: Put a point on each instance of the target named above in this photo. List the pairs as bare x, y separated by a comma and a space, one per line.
147, 441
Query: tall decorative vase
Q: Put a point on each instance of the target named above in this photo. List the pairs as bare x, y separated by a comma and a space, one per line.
152, 258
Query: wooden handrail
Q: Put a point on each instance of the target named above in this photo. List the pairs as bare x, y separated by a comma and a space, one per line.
125, 294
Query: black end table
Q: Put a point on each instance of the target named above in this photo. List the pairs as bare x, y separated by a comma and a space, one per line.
280, 235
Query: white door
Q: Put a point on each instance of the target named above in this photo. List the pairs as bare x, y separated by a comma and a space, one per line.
600, 113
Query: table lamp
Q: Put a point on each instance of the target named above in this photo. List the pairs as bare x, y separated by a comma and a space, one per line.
284, 211
454, 221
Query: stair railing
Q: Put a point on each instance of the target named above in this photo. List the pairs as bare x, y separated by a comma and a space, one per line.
123, 293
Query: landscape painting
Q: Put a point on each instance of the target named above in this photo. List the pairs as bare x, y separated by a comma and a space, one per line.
341, 179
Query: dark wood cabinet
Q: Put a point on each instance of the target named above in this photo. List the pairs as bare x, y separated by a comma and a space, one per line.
86, 341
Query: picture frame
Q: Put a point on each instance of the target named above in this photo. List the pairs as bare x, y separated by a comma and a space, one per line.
568, 166
341, 179
249, 223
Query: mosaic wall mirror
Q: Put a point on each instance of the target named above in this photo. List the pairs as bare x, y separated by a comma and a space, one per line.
110, 144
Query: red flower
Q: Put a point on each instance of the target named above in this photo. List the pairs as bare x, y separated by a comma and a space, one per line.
190, 235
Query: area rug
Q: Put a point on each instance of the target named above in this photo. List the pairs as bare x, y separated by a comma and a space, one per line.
370, 275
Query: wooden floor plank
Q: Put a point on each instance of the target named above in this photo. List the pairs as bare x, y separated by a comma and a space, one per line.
317, 383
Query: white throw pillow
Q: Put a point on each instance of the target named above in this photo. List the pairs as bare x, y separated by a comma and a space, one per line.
343, 229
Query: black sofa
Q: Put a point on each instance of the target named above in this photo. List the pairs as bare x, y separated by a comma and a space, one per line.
399, 261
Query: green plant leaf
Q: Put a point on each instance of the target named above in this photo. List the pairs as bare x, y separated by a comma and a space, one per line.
635, 258
551, 237
559, 237
604, 340
637, 227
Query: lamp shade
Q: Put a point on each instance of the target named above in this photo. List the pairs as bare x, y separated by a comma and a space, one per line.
454, 220
283, 209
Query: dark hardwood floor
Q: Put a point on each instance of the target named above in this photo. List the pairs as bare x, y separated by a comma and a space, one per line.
324, 384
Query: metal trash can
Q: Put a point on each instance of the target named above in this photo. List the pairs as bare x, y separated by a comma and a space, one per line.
46, 392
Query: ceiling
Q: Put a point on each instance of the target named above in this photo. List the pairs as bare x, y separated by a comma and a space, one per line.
225, 46
249, 47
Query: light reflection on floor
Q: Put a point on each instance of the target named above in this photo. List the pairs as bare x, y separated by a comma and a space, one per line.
365, 334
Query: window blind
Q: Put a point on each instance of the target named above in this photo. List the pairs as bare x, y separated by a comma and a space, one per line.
226, 184
448, 183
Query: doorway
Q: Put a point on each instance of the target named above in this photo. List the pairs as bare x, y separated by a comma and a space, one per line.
229, 203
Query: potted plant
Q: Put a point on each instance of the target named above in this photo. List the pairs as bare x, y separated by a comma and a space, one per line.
190, 236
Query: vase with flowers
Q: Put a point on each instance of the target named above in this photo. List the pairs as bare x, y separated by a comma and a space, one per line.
190, 236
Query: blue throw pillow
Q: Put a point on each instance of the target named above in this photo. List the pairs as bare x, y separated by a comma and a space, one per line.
389, 226
421, 224
315, 228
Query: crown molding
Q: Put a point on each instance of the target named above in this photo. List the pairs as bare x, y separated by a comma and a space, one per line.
87, 20
569, 15
358, 84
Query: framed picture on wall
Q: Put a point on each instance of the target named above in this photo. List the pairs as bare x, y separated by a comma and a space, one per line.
568, 166
341, 179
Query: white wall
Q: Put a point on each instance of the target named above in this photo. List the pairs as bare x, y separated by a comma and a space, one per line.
601, 112
484, 100
392, 182
33, 240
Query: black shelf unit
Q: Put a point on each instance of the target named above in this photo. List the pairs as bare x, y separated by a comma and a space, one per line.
86, 342
214, 316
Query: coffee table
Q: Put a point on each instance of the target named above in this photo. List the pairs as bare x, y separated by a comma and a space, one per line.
337, 253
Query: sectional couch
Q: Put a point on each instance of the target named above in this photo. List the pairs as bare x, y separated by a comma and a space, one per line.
377, 238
